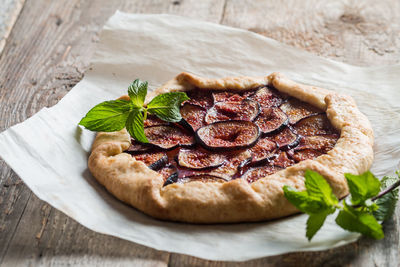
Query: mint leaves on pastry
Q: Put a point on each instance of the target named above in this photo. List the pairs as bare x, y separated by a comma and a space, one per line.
114, 115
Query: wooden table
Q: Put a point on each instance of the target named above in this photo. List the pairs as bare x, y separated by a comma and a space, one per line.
45, 49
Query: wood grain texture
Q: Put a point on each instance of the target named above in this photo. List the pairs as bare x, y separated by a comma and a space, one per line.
49, 50
9, 12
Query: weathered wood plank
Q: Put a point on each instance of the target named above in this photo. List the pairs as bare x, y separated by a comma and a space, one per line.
47, 237
9, 12
356, 32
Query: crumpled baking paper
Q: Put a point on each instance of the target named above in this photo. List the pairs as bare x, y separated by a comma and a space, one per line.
49, 151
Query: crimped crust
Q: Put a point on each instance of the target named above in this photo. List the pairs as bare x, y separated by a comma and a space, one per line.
134, 183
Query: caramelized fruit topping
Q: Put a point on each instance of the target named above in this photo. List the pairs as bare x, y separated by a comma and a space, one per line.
193, 116
246, 110
168, 137
228, 135
234, 135
271, 120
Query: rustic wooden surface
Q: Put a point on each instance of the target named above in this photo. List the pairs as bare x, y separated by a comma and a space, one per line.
47, 52
9, 12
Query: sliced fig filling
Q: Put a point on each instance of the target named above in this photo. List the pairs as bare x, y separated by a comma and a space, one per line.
168, 137
227, 97
154, 160
201, 98
246, 110
305, 154
226, 135
267, 97
137, 147
318, 142
254, 174
235, 161
271, 119
193, 116
153, 121
314, 125
282, 160
297, 110
169, 173
200, 159
286, 139
265, 149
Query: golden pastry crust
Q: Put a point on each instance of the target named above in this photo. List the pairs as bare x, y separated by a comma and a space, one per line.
134, 183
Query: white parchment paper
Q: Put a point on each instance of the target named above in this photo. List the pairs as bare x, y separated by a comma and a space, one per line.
49, 152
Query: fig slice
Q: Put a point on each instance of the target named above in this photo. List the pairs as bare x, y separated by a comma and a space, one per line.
314, 125
305, 154
227, 97
228, 135
323, 143
282, 160
234, 165
267, 97
199, 98
137, 147
153, 120
286, 139
256, 173
246, 110
271, 119
169, 174
200, 159
154, 160
193, 116
168, 137
297, 110
264, 150
205, 178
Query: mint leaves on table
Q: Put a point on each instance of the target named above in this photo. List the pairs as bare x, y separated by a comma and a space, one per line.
371, 201
114, 115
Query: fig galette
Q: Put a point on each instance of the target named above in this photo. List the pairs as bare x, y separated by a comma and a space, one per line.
241, 139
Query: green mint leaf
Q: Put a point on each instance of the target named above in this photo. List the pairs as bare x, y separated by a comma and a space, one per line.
386, 203
359, 221
362, 187
137, 91
370, 205
314, 223
166, 106
134, 126
108, 116
317, 186
303, 202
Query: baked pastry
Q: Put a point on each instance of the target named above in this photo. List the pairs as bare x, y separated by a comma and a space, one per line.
240, 141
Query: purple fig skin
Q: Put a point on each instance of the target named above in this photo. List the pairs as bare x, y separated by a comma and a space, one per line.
317, 124
188, 158
246, 110
192, 121
293, 139
159, 163
271, 120
297, 110
223, 125
173, 137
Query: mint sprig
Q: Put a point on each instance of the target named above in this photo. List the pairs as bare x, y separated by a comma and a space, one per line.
369, 205
114, 115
